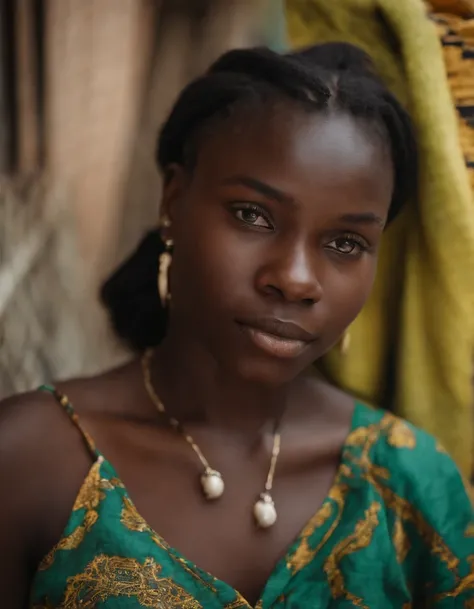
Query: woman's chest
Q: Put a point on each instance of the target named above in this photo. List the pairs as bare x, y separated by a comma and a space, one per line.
222, 536
110, 556
135, 568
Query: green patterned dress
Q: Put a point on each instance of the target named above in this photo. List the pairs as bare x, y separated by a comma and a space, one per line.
396, 531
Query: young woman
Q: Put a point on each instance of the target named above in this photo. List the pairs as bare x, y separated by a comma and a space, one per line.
218, 470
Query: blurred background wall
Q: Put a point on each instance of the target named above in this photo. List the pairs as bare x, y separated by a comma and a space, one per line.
84, 87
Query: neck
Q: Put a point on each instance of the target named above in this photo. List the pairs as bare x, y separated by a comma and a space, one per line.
194, 388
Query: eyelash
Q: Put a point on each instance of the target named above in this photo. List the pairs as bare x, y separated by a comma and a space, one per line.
360, 245
253, 209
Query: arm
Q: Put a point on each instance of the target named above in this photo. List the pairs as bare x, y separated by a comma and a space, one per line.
16, 509
38, 486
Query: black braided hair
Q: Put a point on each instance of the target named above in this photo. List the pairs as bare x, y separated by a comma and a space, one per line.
332, 75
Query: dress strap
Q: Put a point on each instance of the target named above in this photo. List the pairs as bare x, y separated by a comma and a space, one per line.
63, 401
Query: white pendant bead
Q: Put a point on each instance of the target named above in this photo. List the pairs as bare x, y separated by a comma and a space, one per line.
212, 484
265, 512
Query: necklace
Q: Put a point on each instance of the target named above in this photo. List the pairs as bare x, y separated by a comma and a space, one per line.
212, 483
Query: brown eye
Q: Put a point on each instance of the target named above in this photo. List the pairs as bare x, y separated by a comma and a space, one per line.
249, 216
348, 245
252, 216
345, 246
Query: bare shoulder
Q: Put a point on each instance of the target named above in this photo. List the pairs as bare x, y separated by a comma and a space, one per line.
37, 431
36, 436
115, 393
20, 430
33, 428
26, 421
43, 456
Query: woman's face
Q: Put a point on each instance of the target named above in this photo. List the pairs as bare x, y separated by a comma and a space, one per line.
276, 237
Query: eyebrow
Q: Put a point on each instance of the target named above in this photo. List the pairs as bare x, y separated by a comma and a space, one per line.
365, 218
273, 193
261, 187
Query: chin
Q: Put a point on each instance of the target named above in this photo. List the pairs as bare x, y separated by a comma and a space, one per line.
265, 372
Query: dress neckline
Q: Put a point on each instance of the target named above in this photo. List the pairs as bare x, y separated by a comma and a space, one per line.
280, 575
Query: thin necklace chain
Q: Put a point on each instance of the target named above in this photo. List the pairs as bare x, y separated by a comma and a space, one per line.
275, 454
176, 425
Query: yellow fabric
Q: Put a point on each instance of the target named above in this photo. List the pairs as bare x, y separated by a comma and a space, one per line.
423, 299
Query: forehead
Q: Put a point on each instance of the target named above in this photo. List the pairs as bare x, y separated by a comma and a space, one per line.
312, 157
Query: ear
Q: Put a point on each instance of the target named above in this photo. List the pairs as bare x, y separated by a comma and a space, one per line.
175, 182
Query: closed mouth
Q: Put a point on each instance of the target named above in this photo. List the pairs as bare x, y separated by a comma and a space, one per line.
277, 338
286, 330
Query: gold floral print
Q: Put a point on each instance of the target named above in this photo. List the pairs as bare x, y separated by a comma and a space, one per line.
403, 509
400, 435
195, 575
116, 483
90, 494
159, 541
357, 437
401, 541
398, 432
109, 577
407, 513
70, 542
112, 577
131, 519
463, 584
359, 540
89, 497
241, 603
304, 554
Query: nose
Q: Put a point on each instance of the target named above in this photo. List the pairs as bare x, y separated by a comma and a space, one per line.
291, 276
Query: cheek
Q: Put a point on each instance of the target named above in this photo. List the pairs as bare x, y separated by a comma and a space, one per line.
211, 268
346, 292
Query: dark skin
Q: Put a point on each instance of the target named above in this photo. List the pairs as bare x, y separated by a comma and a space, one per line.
282, 219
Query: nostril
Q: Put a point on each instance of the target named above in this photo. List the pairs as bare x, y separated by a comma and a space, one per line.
309, 302
273, 291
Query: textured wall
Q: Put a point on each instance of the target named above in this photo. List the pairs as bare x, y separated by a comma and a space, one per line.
88, 109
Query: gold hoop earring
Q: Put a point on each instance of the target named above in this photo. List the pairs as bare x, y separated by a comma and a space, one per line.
164, 267
345, 343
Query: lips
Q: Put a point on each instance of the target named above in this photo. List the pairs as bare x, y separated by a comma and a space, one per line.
276, 337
